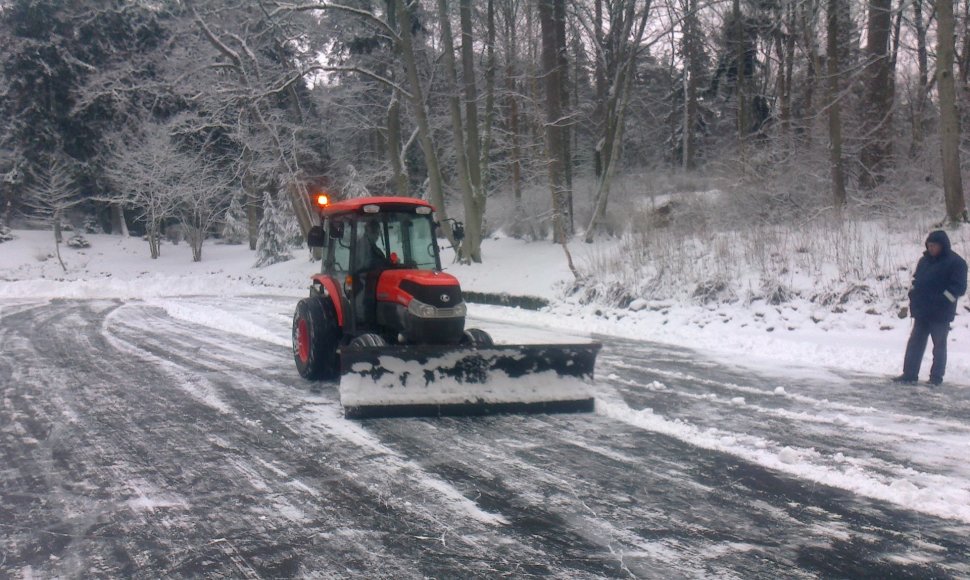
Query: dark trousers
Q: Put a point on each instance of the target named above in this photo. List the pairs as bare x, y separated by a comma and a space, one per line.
922, 330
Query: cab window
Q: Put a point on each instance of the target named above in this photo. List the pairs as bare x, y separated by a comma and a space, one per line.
423, 242
410, 237
339, 260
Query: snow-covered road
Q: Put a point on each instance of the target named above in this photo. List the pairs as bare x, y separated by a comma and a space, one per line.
173, 437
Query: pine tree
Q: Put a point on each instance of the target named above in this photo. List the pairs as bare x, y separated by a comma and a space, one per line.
234, 228
271, 246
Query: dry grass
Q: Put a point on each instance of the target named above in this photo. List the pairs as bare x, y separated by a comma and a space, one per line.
697, 255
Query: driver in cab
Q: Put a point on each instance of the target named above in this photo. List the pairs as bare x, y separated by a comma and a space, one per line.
369, 257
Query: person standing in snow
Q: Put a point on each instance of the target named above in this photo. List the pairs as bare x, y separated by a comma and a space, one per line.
940, 278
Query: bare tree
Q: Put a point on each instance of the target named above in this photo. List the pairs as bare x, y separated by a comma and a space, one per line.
202, 202
149, 174
250, 87
626, 47
53, 190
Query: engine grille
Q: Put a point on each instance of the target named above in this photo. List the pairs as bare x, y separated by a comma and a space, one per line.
438, 296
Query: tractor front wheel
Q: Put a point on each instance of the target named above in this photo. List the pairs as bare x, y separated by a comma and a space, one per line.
315, 340
368, 341
476, 337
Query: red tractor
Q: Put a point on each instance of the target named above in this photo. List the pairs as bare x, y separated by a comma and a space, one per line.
384, 318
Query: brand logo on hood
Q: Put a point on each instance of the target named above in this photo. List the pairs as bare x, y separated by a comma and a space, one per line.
445, 298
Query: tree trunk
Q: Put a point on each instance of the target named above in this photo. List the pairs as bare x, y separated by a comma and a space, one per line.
740, 84
965, 58
252, 219
435, 186
809, 13
562, 63
553, 130
152, 233
475, 212
833, 52
489, 95
599, 111
472, 145
471, 245
877, 148
196, 237
56, 221
300, 203
58, 237
919, 117
956, 207
395, 155
520, 220
119, 226
690, 81
536, 126
785, 51
606, 181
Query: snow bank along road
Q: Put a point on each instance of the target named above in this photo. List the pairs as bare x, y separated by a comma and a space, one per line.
153, 439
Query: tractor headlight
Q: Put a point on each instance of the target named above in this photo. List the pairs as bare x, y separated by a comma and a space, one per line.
422, 310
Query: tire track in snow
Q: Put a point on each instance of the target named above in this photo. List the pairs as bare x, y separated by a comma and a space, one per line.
389, 466
119, 457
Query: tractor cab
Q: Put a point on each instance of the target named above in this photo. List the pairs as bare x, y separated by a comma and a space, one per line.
381, 260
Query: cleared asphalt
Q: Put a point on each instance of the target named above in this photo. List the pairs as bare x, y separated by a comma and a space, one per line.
139, 445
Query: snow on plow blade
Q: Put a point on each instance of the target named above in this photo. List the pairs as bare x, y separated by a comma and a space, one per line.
432, 381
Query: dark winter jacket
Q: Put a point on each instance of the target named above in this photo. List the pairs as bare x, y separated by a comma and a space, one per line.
938, 282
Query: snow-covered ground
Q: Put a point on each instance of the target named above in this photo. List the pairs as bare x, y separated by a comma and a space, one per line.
917, 463
798, 336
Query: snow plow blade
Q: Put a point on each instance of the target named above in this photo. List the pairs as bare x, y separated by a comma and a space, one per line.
435, 381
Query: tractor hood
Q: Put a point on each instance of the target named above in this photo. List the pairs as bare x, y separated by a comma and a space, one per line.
428, 287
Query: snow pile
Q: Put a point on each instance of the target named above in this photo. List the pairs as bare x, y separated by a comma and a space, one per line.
934, 494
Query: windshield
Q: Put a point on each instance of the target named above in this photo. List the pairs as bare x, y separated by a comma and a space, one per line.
406, 239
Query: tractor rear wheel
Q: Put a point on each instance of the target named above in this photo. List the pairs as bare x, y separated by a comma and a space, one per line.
315, 339
476, 337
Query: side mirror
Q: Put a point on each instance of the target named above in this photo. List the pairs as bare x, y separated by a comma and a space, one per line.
458, 230
316, 237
